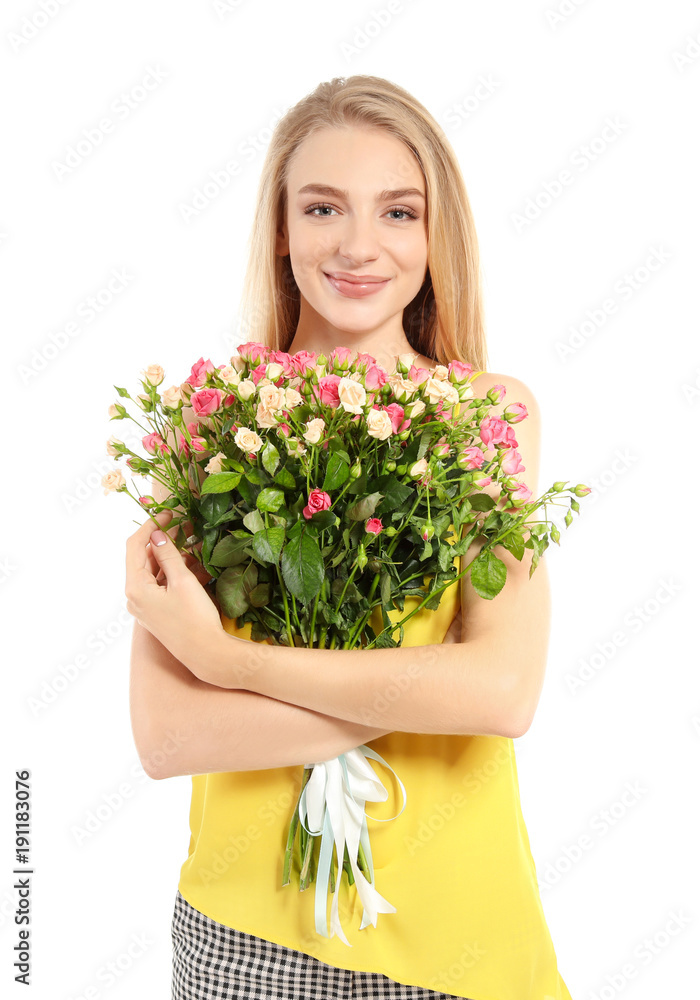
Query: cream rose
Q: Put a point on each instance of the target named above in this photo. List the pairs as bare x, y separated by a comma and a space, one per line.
402, 388
247, 440
113, 480
215, 463
228, 374
273, 370
314, 430
414, 408
111, 450
379, 424
246, 388
265, 417
434, 389
271, 397
292, 398
172, 396
351, 395
154, 374
418, 468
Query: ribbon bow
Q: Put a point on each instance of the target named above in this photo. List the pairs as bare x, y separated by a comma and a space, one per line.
333, 800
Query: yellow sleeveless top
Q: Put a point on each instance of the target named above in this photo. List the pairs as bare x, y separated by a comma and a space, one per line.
456, 863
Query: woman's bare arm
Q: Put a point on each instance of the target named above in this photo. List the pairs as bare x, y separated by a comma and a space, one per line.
182, 725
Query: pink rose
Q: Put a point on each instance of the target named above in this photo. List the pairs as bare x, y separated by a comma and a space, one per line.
318, 500
198, 374
375, 378
341, 357
373, 525
515, 412
458, 372
511, 463
418, 375
154, 443
395, 411
284, 359
253, 352
303, 360
257, 373
206, 401
494, 431
471, 458
519, 496
328, 390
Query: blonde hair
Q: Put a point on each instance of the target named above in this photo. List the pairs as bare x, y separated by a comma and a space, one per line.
445, 319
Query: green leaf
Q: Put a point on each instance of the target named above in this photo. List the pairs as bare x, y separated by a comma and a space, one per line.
233, 588
253, 521
285, 478
230, 551
302, 567
364, 508
267, 544
488, 574
269, 499
255, 477
260, 595
337, 471
395, 493
270, 457
220, 482
322, 519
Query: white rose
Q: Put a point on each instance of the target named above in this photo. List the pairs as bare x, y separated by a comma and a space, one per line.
314, 430
265, 417
111, 450
113, 480
271, 397
440, 372
414, 408
247, 440
172, 396
379, 424
292, 398
273, 370
451, 393
352, 395
215, 463
154, 374
402, 388
433, 389
407, 359
246, 388
418, 468
238, 362
228, 374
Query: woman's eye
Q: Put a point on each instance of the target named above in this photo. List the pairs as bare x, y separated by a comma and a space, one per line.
312, 209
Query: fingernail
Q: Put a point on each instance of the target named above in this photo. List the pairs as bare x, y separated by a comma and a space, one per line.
158, 537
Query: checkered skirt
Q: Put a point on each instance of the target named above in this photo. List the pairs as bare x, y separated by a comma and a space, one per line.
214, 962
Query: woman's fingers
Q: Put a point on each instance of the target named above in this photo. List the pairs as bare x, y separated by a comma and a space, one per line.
138, 555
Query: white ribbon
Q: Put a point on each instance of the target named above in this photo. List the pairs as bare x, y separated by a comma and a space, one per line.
333, 800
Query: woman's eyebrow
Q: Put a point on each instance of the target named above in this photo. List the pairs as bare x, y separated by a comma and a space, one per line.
333, 192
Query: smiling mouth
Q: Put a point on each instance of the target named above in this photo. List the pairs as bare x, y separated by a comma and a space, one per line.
355, 289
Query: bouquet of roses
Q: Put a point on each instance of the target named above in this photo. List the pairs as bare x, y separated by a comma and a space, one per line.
320, 493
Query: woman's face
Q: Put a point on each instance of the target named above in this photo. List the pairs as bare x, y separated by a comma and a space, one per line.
356, 204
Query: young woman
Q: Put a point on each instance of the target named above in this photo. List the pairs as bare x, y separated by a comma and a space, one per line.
363, 238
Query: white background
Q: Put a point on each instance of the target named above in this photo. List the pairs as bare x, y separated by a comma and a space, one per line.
619, 402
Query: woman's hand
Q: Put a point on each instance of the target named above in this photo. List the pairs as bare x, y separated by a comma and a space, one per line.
165, 593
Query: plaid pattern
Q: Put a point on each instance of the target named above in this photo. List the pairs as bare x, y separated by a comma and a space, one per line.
214, 962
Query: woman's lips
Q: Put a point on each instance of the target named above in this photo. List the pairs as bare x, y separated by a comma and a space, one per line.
355, 289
